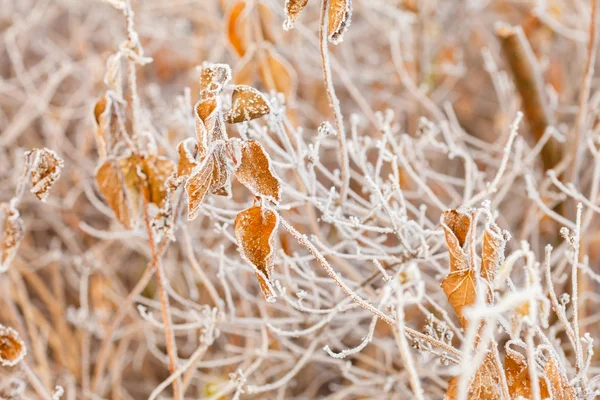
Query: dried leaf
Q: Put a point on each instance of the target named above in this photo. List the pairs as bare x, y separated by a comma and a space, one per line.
209, 123
253, 169
246, 68
281, 74
265, 16
188, 150
12, 348
13, 231
237, 27
293, 8
559, 385
157, 169
214, 77
517, 376
108, 131
46, 166
247, 103
119, 183
485, 383
197, 186
255, 230
220, 176
492, 252
339, 14
456, 227
461, 289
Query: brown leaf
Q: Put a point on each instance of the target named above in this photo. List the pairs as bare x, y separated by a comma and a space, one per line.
339, 14
197, 186
188, 150
281, 74
517, 376
119, 183
157, 169
461, 290
254, 231
12, 348
237, 27
108, 132
559, 386
220, 176
492, 252
247, 103
209, 122
293, 8
485, 383
214, 77
253, 169
46, 166
13, 231
456, 227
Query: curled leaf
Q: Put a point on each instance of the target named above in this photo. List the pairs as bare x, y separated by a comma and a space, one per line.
456, 227
187, 149
119, 183
461, 290
485, 383
13, 231
237, 27
253, 169
559, 385
157, 169
46, 166
254, 230
209, 122
214, 77
247, 103
339, 14
12, 348
492, 254
107, 112
293, 8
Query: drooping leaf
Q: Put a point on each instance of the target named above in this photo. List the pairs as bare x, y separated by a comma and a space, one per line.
107, 112
339, 14
46, 166
253, 169
517, 376
280, 73
209, 123
247, 103
456, 227
197, 186
237, 27
293, 8
119, 183
492, 252
214, 77
559, 385
13, 231
254, 230
220, 175
188, 150
12, 348
157, 169
485, 383
461, 290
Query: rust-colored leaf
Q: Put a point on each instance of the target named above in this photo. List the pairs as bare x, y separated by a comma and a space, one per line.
485, 383
108, 131
293, 8
237, 27
157, 169
119, 183
46, 166
253, 169
281, 73
13, 231
456, 227
517, 376
492, 252
214, 77
254, 230
339, 14
247, 103
461, 290
209, 122
188, 150
197, 186
12, 348
559, 385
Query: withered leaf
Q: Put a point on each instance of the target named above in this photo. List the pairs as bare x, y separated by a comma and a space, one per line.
237, 27
253, 169
197, 186
456, 227
461, 290
254, 230
157, 169
209, 122
492, 252
46, 166
265, 16
293, 8
214, 77
119, 183
188, 150
108, 132
485, 383
220, 176
559, 385
13, 231
339, 14
281, 73
12, 348
247, 103
517, 376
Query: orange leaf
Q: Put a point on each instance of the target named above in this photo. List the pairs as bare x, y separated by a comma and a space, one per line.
45, 170
12, 234
281, 73
214, 77
237, 27
517, 376
293, 8
339, 14
265, 16
12, 348
485, 383
492, 252
461, 289
209, 122
559, 386
197, 186
187, 149
157, 169
456, 227
247, 103
253, 169
254, 230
